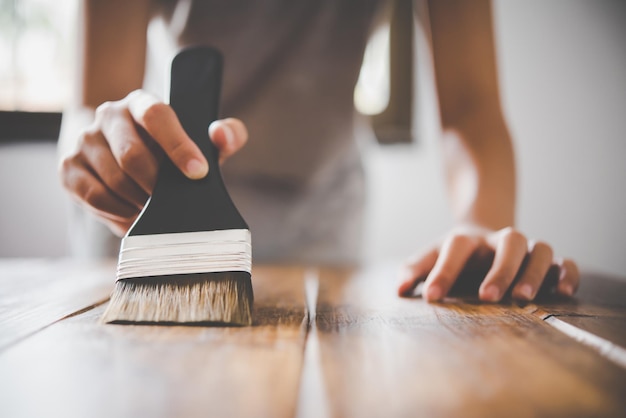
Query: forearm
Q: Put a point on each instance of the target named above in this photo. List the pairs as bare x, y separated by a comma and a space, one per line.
476, 144
480, 170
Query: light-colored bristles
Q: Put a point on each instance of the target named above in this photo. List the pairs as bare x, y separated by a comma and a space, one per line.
212, 298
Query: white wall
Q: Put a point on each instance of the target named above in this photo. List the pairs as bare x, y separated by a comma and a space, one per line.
32, 215
565, 92
563, 76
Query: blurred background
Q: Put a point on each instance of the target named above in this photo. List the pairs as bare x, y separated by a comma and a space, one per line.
562, 67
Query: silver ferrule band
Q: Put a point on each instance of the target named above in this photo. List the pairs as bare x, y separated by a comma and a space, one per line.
185, 253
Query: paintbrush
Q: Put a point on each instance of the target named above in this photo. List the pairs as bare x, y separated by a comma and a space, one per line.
187, 257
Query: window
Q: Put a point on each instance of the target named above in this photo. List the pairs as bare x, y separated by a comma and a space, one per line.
36, 46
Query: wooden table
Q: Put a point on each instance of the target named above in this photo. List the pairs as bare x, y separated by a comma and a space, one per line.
325, 342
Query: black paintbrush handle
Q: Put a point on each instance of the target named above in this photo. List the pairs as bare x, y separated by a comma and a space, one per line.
196, 81
179, 204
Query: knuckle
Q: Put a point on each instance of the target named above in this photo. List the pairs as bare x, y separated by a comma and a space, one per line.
88, 136
94, 196
133, 94
508, 230
153, 114
105, 110
513, 235
117, 181
460, 238
129, 157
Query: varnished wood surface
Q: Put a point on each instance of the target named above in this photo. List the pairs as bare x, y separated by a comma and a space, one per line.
599, 307
35, 293
356, 350
385, 356
596, 317
81, 368
610, 328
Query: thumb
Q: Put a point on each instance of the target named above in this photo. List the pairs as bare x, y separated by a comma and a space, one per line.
161, 123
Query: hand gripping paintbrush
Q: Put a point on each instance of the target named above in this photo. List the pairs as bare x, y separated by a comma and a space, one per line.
187, 257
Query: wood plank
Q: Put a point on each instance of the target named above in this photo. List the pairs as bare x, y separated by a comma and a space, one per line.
599, 308
386, 356
79, 367
610, 328
595, 317
35, 293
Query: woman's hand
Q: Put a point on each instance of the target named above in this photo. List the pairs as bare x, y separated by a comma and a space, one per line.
504, 251
113, 170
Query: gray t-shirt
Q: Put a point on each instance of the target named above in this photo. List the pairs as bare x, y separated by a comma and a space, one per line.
290, 71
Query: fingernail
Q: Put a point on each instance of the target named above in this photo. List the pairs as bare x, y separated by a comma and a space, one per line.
197, 169
492, 293
433, 293
526, 291
229, 135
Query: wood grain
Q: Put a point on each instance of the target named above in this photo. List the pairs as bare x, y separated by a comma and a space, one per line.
360, 351
35, 293
595, 317
611, 328
385, 356
79, 367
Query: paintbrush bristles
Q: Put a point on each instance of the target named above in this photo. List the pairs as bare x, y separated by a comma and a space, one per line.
198, 298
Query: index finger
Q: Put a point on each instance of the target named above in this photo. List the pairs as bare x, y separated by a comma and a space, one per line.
162, 124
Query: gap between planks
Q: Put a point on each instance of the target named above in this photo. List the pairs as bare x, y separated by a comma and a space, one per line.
313, 400
312, 397
70, 315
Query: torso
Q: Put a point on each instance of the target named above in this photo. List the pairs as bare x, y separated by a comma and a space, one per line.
290, 71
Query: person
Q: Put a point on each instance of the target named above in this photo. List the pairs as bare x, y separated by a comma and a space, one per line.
290, 70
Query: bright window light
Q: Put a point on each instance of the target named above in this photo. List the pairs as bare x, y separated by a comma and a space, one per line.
371, 94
